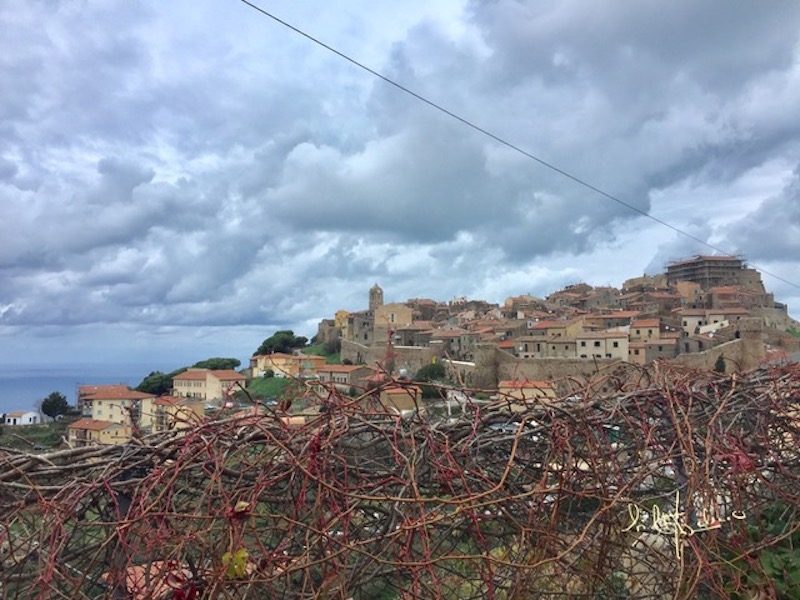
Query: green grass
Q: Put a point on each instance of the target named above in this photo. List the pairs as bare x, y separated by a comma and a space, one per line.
34, 437
269, 387
319, 350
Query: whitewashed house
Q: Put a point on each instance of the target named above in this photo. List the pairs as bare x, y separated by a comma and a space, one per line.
22, 417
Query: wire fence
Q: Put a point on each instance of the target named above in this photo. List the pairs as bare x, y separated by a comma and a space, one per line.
680, 484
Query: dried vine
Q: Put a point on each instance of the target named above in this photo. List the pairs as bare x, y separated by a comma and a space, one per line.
682, 485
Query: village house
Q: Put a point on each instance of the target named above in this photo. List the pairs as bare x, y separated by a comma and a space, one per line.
602, 344
206, 384
645, 329
295, 366
610, 320
538, 347
647, 350
93, 432
360, 327
731, 314
117, 404
22, 417
458, 343
414, 334
692, 319
343, 377
175, 412
395, 398
389, 317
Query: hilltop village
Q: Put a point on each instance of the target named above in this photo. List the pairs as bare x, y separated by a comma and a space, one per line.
706, 312
701, 312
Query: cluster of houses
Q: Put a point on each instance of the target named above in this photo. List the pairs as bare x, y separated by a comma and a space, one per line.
697, 304
112, 414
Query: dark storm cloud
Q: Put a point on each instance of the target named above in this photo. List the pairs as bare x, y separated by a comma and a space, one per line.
184, 164
771, 232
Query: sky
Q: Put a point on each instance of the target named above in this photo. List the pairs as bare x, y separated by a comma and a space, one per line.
180, 179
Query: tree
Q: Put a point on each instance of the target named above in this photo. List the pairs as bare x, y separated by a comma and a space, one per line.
333, 346
55, 405
158, 383
282, 341
218, 364
430, 373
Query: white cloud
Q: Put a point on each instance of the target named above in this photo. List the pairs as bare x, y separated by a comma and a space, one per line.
202, 166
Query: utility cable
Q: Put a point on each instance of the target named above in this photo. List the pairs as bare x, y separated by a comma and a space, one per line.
502, 141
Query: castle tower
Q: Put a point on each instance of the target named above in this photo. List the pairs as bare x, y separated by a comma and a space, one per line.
375, 297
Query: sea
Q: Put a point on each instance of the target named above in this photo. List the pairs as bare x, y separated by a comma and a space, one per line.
23, 386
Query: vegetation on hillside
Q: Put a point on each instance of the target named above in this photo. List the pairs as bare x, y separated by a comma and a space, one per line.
268, 388
159, 383
281, 341
328, 351
35, 438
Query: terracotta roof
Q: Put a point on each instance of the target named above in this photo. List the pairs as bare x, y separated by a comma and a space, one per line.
192, 375
92, 424
340, 368
692, 312
201, 374
620, 314
110, 392
646, 323
174, 400
506, 344
20, 413
599, 335
550, 324
449, 333
229, 374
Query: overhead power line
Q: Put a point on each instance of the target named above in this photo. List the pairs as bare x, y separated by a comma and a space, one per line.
501, 140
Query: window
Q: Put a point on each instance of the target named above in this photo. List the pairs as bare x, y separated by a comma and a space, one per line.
583, 356
636, 352
583, 344
638, 332
608, 356
660, 348
597, 344
615, 344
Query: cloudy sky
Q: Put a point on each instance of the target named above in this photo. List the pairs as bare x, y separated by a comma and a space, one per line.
180, 179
